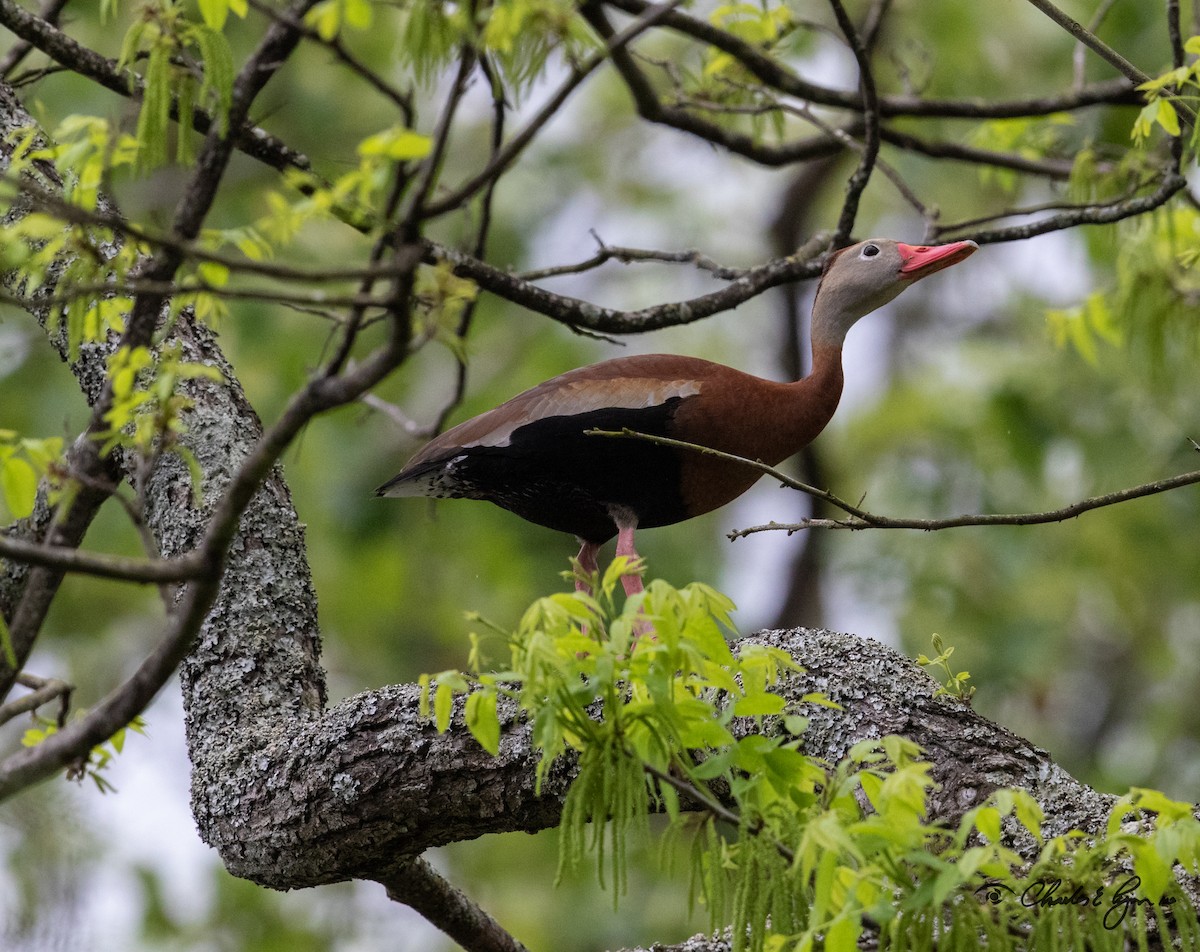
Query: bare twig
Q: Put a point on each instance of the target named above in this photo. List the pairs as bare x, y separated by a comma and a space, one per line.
862, 519
482, 232
870, 149
42, 691
67, 559
626, 255
1079, 59
48, 13
1092, 42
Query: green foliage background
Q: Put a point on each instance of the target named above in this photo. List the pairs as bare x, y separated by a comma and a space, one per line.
999, 390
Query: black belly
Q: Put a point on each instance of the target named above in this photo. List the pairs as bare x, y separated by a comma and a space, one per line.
553, 474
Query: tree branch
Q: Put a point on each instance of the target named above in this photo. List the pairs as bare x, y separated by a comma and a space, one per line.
43, 691
576, 313
419, 886
775, 75
1094, 43
504, 157
74, 560
870, 150
862, 519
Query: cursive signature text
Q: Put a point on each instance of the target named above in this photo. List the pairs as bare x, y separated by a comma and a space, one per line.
1117, 900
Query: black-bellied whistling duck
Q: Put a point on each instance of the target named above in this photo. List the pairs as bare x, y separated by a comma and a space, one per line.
532, 455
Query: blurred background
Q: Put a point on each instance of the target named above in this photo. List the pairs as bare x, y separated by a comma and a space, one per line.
993, 387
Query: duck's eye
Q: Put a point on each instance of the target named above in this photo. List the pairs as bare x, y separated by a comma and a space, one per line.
869, 251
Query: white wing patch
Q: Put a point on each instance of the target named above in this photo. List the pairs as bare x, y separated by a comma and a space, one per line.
584, 396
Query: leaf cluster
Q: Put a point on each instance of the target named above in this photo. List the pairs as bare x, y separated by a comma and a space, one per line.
794, 852
98, 759
189, 66
955, 684
24, 461
147, 411
1169, 93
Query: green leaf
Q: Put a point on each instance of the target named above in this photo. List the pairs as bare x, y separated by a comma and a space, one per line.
423, 706
482, 721
842, 935
18, 484
155, 116
443, 705
1167, 117
987, 821
219, 75
396, 143
754, 705
214, 13
1151, 868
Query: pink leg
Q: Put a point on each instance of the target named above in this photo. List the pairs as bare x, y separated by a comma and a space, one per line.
631, 583
587, 562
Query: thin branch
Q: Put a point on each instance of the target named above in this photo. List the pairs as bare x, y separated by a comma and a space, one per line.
501, 161
776, 75
400, 98
1092, 42
967, 223
47, 13
627, 255
43, 691
67, 559
575, 313
418, 208
419, 886
870, 149
407, 228
1079, 58
862, 519
483, 231
1106, 213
